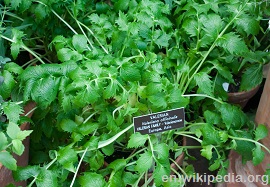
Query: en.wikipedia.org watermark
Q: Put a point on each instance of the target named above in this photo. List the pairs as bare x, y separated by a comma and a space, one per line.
205, 178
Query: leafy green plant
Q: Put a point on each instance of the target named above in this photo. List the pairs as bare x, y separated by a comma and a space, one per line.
130, 58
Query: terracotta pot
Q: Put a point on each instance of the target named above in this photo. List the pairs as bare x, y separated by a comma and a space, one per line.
179, 160
241, 98
6, 174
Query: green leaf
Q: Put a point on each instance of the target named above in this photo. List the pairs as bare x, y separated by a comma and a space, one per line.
8, 161
116, 179
122, 21
15, 49
23, 134
130, 178
144, 162
8, 85
44, 91
17, 147
212, 117
191, 26
121, 5
212, 25
137, 140
67, 157
215, 165
64, 54
68, 125
159, 172
247, 24
210, 135
261, 132
13, 68
130, 73
13, 111
251, 77
3, 141
258, 155
203, 81
158, 100
162, 151
161, 38
46, 178
232, 43
79, 42
24, 173
231, 115
91, 179
118, 164
87, 96
96, 161
207, 151
13, 130
110, 90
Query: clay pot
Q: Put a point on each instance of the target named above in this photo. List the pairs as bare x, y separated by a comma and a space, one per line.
241, 98
6, 174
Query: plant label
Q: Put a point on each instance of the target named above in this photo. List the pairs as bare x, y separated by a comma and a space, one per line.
159, 122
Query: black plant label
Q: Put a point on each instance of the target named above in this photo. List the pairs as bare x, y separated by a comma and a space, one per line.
160, 122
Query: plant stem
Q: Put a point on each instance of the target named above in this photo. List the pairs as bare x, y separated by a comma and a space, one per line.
78, 167
203, 95
31, 111
184, 134
250, 140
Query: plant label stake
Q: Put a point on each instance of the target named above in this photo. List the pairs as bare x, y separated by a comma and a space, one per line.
159, 122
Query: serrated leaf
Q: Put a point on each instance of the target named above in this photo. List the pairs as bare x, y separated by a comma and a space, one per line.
17, 147
23, 134
46, 178
251, 77
247, 24
207, 151
210, 135
118, 164
161, 38
96, 161
15, 49
13, 68
130, 73
231, 115
258, 155
13, 130
8, 161
158, 100
191, 26
79, 42
232, 43
159, 172
137, 140
13, 111
162, 151
24, 173
68, 125
122, 21
261, 132
116, 179
130, 178
110, 90
144, 162
212, 117
203, 81
212, 25
67, 157
3, 141
8, 85
91, 179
